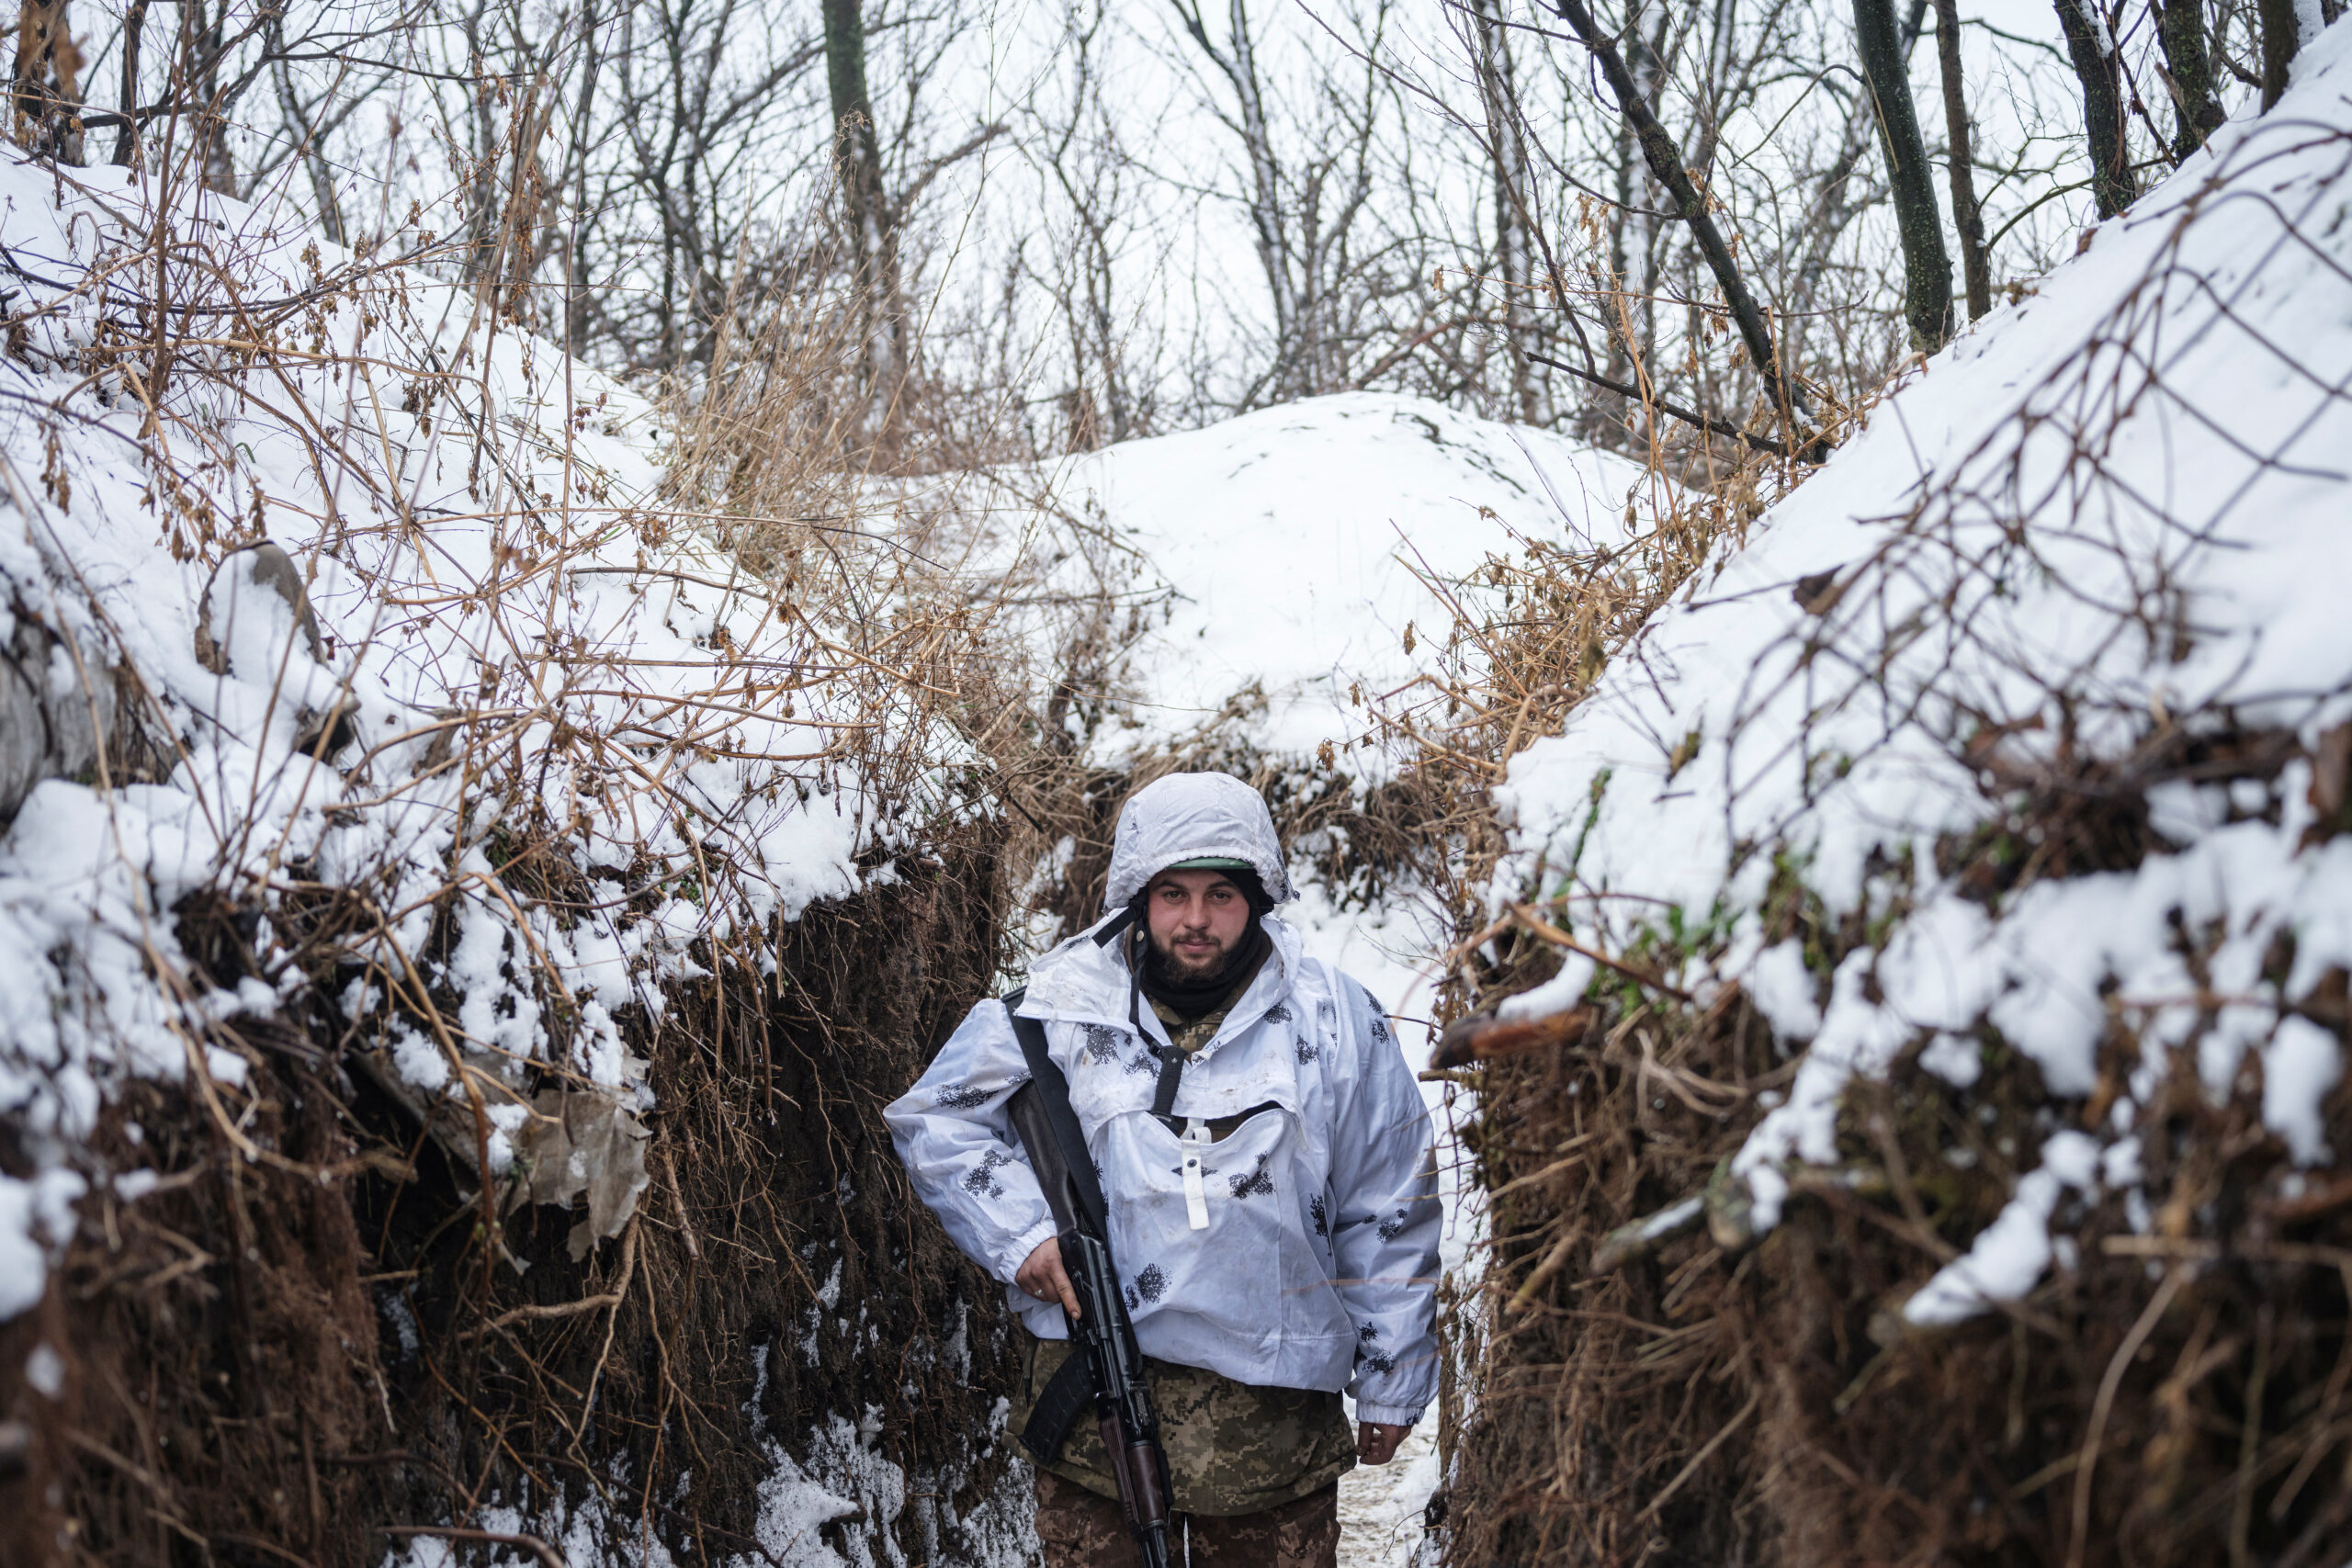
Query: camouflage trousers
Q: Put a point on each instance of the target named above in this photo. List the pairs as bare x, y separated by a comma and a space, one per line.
1232, 1449
1079, 1530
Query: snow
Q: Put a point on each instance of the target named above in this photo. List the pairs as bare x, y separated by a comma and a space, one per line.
1783, 991
472, 516
583, 1534
1559, 994
2006, 1262
45, 1371
1381, 1509
2010, 1255
2302, 1063
1280, 563
2112, 510
31, 1214
792, 1509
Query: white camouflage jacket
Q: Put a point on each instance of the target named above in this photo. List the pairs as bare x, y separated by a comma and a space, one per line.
1315, 1263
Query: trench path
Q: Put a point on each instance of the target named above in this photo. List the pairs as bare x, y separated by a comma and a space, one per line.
1379, 1507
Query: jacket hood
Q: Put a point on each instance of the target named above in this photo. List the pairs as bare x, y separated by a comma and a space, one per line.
1193, 817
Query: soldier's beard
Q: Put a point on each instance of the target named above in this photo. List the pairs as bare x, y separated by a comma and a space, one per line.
1178, 966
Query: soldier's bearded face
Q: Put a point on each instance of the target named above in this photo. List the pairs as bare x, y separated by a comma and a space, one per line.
1197, 919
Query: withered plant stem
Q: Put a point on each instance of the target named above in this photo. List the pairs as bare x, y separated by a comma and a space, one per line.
1708, 423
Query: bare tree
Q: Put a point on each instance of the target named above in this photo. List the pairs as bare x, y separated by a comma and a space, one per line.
872, 223
1517, 235
134, 32
1967, 218
1435, 202
49, 66
2282, 39
1927, 266
1666, 165
2196, 114
2098, 65
1309, 214
1082, 155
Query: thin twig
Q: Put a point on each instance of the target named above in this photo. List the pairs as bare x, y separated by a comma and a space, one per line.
1536, 924
2097, 1432
548, 1555
1650, 400
1688, 1470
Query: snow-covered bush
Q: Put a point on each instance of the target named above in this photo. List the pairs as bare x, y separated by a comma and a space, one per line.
460, 923
1916, 1134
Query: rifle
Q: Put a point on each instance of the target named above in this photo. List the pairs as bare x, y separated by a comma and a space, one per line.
1107, 1371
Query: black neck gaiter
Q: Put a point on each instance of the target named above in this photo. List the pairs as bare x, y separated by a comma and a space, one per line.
1191, 1000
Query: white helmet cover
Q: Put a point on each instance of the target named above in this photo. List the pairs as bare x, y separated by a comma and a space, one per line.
1193, 817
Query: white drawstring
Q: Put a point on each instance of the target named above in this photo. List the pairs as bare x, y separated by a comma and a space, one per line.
1197, 1198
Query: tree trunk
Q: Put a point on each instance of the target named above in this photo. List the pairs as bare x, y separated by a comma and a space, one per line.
1927, 268
1288, 282
2189, 74
2092, 49
579, 296
482, 175
313, 157
1092, 189
2283, 36
1834, 207
1628, 236
1665, 160
1646, 23
126, 135
1839, 200
1513, 181
1966, 217
1294, 331
857, 152
197, 74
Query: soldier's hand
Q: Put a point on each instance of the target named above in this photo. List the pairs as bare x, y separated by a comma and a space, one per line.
1377, 1441
1044, 1278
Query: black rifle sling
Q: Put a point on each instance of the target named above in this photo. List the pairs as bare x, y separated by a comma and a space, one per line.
1049, 1131
1075, 1195
1163, 1094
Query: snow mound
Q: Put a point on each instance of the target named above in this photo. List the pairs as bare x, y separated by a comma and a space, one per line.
1284, 567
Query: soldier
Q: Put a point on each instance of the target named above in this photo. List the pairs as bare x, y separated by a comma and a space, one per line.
1265, 1159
